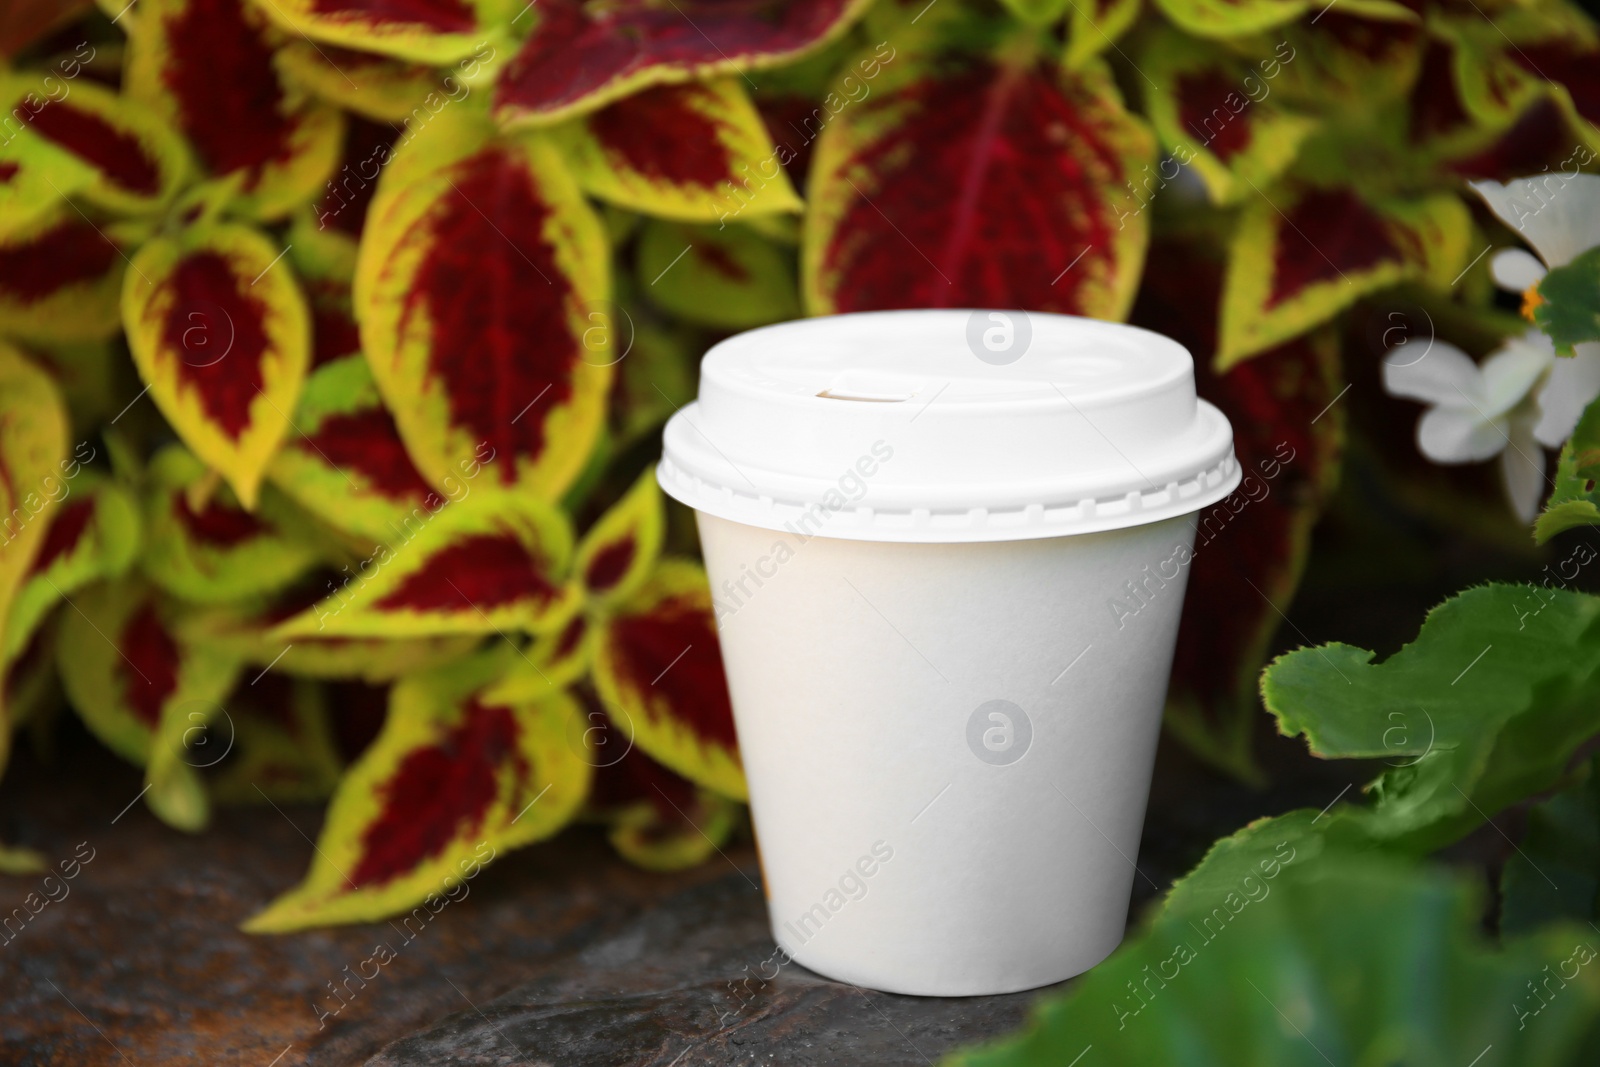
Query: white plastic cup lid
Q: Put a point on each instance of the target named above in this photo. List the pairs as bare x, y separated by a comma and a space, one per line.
948, 425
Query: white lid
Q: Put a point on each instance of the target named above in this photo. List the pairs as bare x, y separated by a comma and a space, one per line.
958, 425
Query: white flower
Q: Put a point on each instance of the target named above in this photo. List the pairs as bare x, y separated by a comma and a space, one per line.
1479, 412
1522, 399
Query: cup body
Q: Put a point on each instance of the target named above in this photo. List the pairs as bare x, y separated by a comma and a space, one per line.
948, 745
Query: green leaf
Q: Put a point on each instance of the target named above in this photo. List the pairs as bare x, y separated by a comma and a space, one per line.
1555, 872
1574, 501
726, 277
1570, 307
1352, 962
1038, 12
1483, 709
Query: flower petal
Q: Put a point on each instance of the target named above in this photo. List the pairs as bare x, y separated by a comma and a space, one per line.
1456, 435
1558, 215
1511, 372
1522, 467
1571, 385
1515, 269
1439, 374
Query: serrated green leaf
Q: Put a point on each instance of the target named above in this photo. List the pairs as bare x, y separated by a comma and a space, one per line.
1569, 308
1573, 500
1353, 962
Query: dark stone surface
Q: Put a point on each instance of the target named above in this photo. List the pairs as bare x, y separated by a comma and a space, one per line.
682, 986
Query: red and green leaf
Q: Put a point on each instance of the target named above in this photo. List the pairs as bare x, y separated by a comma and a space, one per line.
246, 632
33, 444
1096, 25
490, 564
657, 378
143, 691
728, 278
449, 784
977, 180
348, 464
658, 670
60, 275
1231, 18
206, 549
92, 533
549, 664
583, 55
1250, 550
433, 32
697, 152
658, 819
221, 333
1214, 114
375, 87
480, 263
208, 68
1298, 257
342, 205
137, 161
620, 550
1348, 62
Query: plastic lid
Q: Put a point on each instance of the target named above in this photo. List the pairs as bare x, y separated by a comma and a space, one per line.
950, 425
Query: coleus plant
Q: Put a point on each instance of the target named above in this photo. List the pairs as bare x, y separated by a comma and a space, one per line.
405, 291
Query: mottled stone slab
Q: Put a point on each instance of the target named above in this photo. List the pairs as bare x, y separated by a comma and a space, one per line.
683, 985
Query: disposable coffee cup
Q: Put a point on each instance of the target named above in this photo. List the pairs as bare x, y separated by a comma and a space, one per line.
947, 553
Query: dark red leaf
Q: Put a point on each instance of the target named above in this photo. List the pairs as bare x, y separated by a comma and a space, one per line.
368, 146
68, 253
979, 193
657, 134
1539, 140
478, 572
438, 794
367, 443
673, 650
1436, 108
500, 386
1328, 233
230, 103
1568, 64
609, 565
333, 332
579, 49
208, 310
67, 528
151, 655
217, 525
1202, 94
443, 16
118, 155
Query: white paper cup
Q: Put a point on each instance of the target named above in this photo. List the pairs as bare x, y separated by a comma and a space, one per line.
948, 588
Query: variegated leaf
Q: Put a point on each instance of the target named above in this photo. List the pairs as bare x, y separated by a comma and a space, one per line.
208, 68
1218, 116
697, 152
489, 564
449, 784
433, 32
93, 533
1300, 256
479, 268
348, 465
342, 204
211, 550
659, 820
35, 175
245, 631
620, 549
658, 669
583, 55
60, 275
728, 277
375, 87
974, 180
143, 692
1249, 550
1231, 18
137, 161
549, 664
1346, 62
33, 444
221, 333
1096, 25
